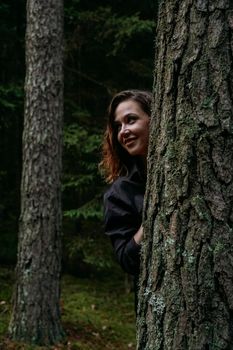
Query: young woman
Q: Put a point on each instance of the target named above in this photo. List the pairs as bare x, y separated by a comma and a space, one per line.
124, 165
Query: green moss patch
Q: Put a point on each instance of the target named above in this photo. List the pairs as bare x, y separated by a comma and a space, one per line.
97, 314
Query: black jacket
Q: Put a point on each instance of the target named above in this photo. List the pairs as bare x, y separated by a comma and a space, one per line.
123, 204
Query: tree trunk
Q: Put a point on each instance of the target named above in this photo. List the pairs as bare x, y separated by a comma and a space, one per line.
36, 315
186, 285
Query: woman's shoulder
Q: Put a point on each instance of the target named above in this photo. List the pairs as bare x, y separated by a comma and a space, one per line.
120, 184
124, 197
123, 190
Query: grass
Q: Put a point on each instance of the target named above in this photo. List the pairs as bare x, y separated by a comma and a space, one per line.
97, 314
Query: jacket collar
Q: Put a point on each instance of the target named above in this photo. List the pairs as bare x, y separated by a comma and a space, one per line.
136, 170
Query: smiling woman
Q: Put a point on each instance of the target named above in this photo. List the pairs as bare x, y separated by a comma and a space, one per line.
124, 165
132, 125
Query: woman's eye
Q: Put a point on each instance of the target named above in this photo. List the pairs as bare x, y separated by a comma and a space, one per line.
131, 120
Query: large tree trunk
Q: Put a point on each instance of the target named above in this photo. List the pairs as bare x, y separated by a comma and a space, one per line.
186, 289
36, 315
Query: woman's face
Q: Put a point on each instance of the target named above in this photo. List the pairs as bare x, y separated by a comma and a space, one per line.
132, 125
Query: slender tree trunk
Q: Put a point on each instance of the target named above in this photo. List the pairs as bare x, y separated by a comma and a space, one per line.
186, 289
36, 314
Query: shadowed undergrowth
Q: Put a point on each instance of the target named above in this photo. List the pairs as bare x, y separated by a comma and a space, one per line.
97, 314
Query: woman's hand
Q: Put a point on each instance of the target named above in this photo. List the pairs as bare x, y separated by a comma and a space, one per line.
138, 235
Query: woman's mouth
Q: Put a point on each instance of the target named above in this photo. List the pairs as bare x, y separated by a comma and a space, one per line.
128, 142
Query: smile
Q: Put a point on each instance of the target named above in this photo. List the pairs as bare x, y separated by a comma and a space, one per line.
128, 142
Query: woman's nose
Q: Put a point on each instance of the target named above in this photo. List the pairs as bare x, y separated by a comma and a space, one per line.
125, 132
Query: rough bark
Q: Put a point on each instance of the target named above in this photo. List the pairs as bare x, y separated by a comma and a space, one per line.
186, 289
36, 315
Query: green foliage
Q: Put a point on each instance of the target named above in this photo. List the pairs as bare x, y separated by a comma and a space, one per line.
94, 252
80, 138
82, 148
108, 47
11, 107
90, 210
123, 29
11, 97
103, 41
86, 249
104, 49
109, 26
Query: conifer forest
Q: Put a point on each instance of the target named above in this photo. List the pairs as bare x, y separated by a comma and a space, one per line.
61, 287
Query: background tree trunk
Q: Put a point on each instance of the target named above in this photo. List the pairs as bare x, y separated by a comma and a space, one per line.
36, 315
186, 291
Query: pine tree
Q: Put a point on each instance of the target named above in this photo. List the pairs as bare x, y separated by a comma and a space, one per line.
186, 289
36, 315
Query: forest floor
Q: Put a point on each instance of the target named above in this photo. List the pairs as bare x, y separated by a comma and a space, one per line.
97, 314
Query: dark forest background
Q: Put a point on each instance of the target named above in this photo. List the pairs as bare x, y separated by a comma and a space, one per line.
109, 46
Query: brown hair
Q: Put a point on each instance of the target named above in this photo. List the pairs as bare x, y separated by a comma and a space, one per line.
114, 157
